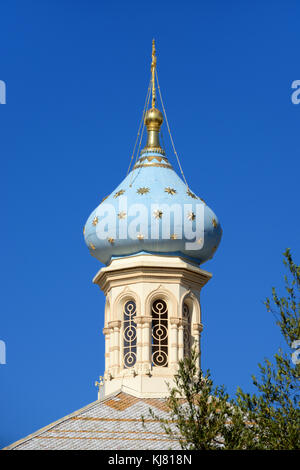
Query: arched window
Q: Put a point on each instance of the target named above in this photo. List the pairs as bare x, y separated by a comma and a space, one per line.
129, 334
159, 333
187, 333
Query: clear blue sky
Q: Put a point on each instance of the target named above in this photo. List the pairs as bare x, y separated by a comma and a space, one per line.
76, 75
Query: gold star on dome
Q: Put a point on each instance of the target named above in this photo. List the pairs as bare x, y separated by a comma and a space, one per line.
200, 241
92, 246
143, 190
158, 214
191, 216
189, 193
95, 220
140, 236
119, 193
173, 236
83, 230
214, 222
202, 200
104, 199
122, 215
170, 191
111, 240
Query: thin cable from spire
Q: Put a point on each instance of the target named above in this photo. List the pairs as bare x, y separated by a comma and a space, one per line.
167, 122
142, 120
138, 151
137, 154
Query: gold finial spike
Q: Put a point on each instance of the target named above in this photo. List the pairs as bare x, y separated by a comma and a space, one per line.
153, 117
153, 67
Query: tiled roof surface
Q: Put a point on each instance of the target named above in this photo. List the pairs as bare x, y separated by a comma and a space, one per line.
113, 423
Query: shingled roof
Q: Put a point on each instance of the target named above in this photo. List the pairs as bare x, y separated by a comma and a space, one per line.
113, 423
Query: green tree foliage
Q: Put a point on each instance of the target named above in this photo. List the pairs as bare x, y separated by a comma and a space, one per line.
275, 409
202, 416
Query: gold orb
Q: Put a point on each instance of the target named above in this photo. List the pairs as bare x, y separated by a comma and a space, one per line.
153, 119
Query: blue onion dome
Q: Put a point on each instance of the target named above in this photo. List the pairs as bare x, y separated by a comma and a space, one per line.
153, 211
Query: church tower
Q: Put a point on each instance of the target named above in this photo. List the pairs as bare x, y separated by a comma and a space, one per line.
152, 233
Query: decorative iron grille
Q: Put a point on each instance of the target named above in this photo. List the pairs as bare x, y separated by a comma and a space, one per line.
159, 334
129, 334
187, 334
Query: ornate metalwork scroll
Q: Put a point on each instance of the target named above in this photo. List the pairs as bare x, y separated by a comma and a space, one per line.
129, 334
159, 334
187, 333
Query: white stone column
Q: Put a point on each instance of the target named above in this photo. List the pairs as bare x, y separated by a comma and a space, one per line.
147, 344
196, 333
106, 332
111, 346
115, 349
139, 343
180, 340
173, 342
